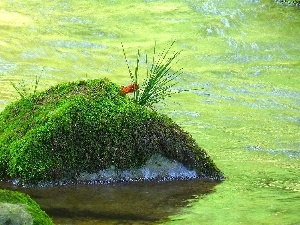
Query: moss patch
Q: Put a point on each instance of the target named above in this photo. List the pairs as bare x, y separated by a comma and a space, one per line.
18, 208
86, 126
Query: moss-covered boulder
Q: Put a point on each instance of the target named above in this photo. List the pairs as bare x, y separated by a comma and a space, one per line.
87, 126
17, 208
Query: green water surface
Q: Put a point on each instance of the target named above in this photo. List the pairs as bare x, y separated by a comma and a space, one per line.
239, 91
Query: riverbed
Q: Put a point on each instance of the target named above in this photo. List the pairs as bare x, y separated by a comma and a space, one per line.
238, 95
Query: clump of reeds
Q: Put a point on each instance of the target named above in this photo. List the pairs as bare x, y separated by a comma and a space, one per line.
159, 76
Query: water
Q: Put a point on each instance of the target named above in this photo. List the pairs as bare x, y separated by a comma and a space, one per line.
119, 203
239, 94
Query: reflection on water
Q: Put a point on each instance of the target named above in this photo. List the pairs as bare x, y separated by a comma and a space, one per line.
286, 152
134, 203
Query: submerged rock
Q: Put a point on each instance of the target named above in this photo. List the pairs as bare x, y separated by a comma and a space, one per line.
89, 126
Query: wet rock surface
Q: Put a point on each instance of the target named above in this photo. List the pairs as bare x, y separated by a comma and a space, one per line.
157, 168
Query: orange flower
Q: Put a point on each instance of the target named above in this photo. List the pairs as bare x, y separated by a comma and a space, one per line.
129, 89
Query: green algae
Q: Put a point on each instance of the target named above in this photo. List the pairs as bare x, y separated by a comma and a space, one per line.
87, 126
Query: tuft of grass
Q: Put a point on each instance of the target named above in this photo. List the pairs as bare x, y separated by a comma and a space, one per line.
23, 91
160, 78
20, 90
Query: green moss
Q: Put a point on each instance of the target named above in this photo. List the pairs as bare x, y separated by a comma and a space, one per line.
20, 199
86, 126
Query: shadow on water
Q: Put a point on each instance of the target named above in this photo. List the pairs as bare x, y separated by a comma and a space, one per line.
130, 203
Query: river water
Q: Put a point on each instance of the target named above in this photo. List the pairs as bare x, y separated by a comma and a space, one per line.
239, 98
119, 203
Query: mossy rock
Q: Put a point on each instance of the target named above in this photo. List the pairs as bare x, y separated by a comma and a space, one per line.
87, 126
18, 208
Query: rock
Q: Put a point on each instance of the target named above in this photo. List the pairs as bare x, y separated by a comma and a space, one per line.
157, 168
87, 126
14, 214
19, 209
